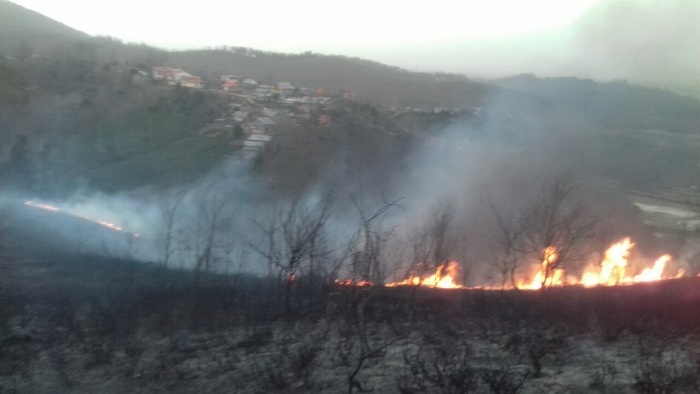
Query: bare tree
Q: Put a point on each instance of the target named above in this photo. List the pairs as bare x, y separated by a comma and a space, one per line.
205, 239
557, 226
169, 205
292, 237
369, 242
508, 235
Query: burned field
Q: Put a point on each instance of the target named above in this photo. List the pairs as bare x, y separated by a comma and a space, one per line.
78, 323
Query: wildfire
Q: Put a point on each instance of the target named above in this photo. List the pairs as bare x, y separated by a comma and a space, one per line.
547, 275
613, 270
42, 206
444, 278
56, 209
350, 282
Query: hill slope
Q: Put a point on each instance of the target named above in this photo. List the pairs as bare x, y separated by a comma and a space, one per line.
370, 81
20, 27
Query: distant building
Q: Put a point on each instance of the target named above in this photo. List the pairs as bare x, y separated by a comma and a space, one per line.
264, 123
234, 78
250, 83
240, 116
176, 76
260, 137
140, 77
284, 88
191, 81
166, 73
254, 146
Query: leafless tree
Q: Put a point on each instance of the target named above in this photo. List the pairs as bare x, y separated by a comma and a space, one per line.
206, 237
508, 235
292, 238
169, 204
369, 242
557, 226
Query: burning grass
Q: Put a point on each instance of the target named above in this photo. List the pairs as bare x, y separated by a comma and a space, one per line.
613, 270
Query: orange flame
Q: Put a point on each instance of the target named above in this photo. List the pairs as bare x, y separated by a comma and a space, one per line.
444, 278
612, 270
350, 282
554, 277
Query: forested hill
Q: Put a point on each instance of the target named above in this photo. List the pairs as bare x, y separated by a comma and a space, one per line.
25, 32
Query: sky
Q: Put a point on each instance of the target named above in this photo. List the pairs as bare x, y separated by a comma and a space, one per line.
654, 42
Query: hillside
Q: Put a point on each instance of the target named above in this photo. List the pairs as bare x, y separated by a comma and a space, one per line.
76, 114
369, 81
23, 30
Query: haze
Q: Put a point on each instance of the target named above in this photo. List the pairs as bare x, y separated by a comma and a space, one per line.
649, 42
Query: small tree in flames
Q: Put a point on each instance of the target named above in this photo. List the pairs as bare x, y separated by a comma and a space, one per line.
556, 227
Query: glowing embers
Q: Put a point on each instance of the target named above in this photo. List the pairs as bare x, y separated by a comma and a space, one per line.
350, 282
444, 278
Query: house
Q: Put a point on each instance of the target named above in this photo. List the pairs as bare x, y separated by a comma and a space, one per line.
256, 142
250, 83
227, 78
239, 116
176, 76
229, 85
301, 111
254, 146
262, 91
140, 77
165, 73
264, 123
260, 137
284, 88
190, 81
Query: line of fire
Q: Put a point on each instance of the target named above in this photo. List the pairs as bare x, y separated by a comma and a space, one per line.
614, 270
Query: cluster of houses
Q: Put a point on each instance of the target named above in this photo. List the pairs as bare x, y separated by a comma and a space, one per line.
176, 76
255, 108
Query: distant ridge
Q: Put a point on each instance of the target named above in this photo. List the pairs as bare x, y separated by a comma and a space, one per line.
21, 26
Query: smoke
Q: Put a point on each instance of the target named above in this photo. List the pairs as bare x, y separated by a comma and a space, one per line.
502, 154
651, 42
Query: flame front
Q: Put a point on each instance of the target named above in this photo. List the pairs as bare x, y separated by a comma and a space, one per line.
444, 278
613, 270
546, 275
350, 282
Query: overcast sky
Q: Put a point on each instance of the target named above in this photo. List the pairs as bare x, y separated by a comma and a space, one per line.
656, 42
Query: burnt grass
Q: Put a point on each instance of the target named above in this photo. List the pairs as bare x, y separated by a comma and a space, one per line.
74, 323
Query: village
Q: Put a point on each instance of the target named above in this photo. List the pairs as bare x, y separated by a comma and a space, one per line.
256, 111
